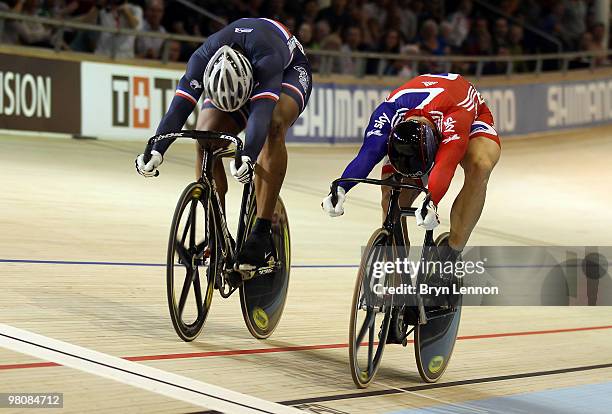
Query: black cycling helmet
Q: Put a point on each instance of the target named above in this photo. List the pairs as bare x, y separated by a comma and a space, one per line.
412, 148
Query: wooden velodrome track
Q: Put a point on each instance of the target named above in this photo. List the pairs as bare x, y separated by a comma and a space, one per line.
82, 237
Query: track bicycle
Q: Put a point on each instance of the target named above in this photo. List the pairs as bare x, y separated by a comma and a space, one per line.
202, 253
375, 323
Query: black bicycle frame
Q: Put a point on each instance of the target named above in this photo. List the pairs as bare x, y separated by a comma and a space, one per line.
395, 212
216, 145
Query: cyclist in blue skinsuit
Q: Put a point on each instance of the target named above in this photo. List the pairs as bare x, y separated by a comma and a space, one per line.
254, 75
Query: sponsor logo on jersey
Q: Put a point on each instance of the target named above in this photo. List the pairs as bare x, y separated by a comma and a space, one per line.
243, 30
375, 132
449, 139
449, 124
428, 84
381, 121
303, 77
195, 84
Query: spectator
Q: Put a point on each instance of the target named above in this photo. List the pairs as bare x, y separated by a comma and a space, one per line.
460, 23
373, 34
552, 22
378, 10
515, 47
321, 32
574, 21
598, 34
500, 34
431, 44
122, 15
479, 40
310, 11
332, 64
151, 47
174, 50
407, 20
27, 33
353, 43
392, 43
336, 15
446, 36
304, 35
586, 45
499, 67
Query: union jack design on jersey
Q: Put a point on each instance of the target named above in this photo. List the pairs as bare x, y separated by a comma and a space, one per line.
448, 101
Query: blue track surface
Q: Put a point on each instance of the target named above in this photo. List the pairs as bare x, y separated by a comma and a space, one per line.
587, 399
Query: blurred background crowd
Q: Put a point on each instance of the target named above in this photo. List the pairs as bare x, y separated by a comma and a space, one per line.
409, 27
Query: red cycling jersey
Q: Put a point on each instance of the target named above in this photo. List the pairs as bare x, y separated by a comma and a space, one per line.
459, 112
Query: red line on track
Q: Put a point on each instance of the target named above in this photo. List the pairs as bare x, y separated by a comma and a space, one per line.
232, 352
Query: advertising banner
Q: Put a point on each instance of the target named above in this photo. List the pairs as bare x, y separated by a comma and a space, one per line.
340, 113
121, 101
39, 95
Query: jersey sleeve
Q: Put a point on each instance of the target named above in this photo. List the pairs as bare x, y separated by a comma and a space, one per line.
268, 74
455, 129
185, 99
374, 146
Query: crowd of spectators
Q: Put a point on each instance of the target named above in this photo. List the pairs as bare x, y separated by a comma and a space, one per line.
409, 27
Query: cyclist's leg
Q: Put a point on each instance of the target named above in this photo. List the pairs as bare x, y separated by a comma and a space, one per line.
481, 156
272, 161
213, 119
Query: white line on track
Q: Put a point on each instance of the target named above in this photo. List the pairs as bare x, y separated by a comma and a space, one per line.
137, 375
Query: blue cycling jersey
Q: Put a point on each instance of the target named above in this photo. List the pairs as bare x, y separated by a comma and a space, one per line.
269, 47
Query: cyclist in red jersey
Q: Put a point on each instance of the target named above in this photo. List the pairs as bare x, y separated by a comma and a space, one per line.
446, 119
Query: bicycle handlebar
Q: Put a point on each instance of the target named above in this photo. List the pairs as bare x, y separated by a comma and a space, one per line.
389, 182
221, 139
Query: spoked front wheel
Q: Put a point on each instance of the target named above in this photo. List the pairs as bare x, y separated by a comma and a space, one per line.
369, 324
189, 276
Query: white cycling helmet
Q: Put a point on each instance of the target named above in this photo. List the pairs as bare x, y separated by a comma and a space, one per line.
228, 79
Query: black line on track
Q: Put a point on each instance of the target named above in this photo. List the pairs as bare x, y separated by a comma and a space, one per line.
426, 387
137, 374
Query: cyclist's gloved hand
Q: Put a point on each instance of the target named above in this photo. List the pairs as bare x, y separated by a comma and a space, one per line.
431, 219
338, 209
149, 169
244, 174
